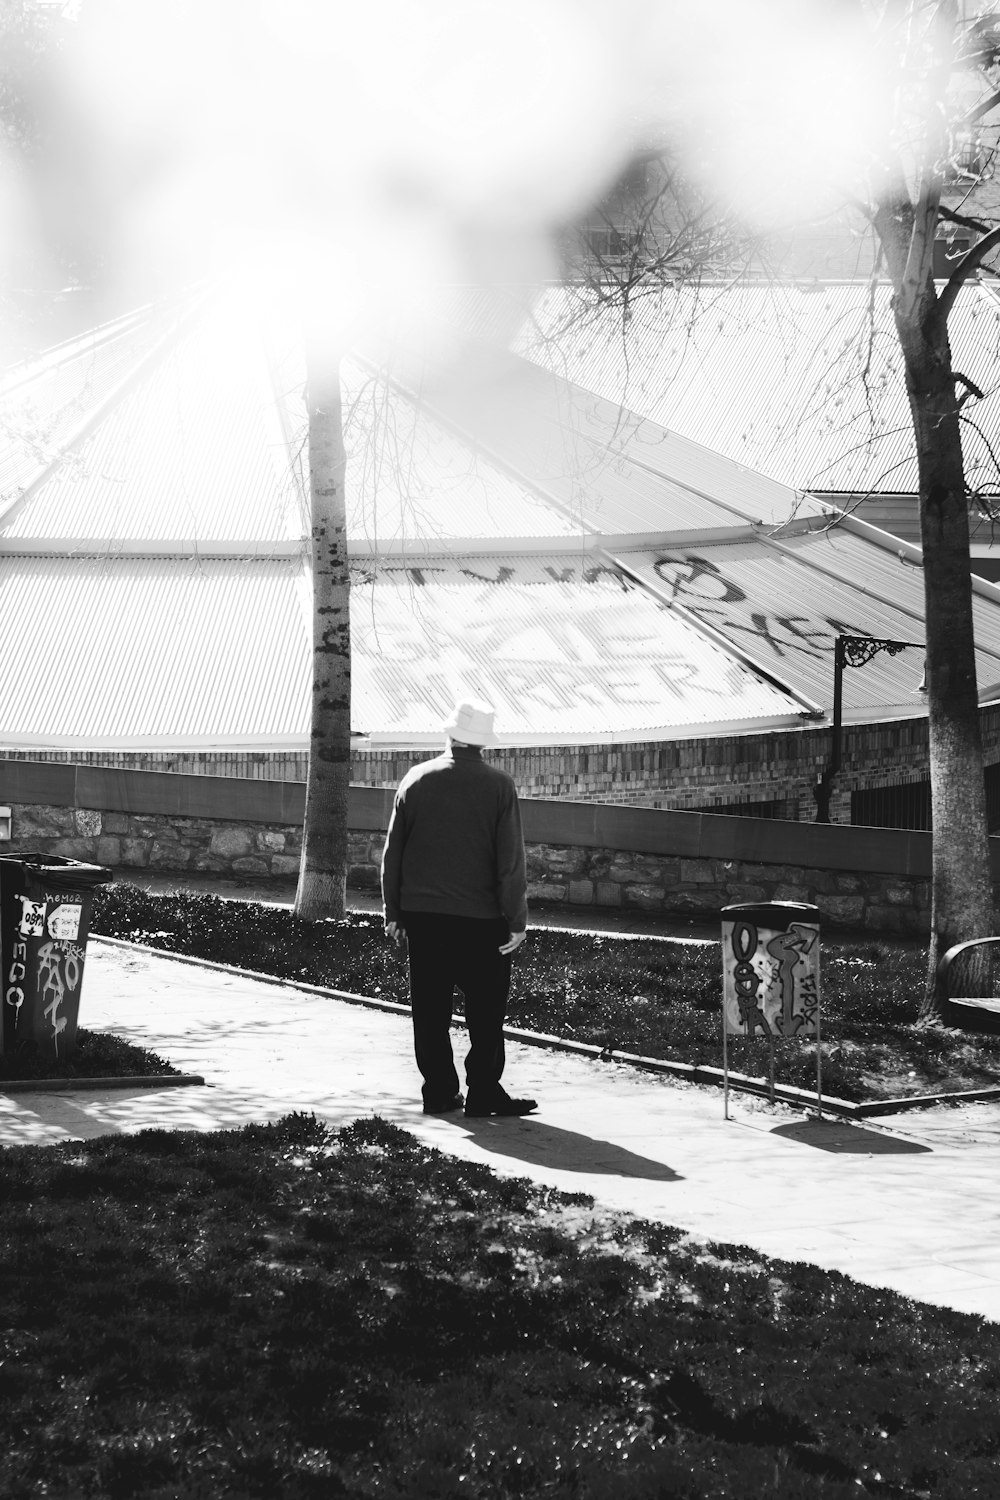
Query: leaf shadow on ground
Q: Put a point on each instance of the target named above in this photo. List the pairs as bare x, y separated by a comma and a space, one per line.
544, 1145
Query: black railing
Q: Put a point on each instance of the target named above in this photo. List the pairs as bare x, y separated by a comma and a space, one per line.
908, 804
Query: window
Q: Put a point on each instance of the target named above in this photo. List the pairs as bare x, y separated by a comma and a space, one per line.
611, 244
905, 805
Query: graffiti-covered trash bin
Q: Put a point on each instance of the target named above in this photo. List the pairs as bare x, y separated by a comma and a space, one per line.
45, 909
770, 969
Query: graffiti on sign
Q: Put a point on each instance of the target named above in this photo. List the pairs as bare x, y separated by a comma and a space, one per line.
55, 916
64, 921
771, 979
60, 970
14, 993
32, 923
45, 970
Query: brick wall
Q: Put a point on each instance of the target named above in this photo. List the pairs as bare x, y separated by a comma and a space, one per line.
247, 765
702, 774
691, 774
697, 774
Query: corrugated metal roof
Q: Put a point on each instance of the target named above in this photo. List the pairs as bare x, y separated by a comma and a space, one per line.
126, 653
785, 603
202, 445
118, 652
409, 476
802, 385
192, 449
565, 648
45, 402
610, 469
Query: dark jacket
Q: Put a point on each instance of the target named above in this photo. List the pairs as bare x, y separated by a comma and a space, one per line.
454, 843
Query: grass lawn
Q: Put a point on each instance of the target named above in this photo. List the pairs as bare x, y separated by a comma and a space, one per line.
283, 1311
639, 995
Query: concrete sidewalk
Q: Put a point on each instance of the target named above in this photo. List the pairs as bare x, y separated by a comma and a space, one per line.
911, 1204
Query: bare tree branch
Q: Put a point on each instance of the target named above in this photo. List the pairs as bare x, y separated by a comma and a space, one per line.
971, 389
969, 262
950, 216
982, 110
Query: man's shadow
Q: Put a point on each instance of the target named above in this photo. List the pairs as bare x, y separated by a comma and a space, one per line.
529, 1139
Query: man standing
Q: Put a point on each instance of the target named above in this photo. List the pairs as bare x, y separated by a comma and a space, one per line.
453, 881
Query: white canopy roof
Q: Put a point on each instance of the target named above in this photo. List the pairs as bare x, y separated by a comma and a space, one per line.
593, 574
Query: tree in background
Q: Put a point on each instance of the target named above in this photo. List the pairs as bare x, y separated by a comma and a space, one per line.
366, 158
656, 227
875, 108
322, 886
363, 162
30, 36
936, 49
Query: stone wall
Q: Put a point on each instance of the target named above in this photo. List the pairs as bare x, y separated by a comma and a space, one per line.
559, 873
172, 845
872, 902
157, 842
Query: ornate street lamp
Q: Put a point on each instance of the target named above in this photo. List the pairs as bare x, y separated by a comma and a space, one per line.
849, 651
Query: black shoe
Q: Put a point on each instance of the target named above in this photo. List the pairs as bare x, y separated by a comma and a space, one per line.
447, 1108
502, 1106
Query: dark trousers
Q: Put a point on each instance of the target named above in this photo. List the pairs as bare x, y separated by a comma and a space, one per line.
464, 951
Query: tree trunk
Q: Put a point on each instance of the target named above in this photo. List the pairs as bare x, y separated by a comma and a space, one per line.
323, 869
962, 895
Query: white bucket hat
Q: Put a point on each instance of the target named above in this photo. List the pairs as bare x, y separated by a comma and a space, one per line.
471, 723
